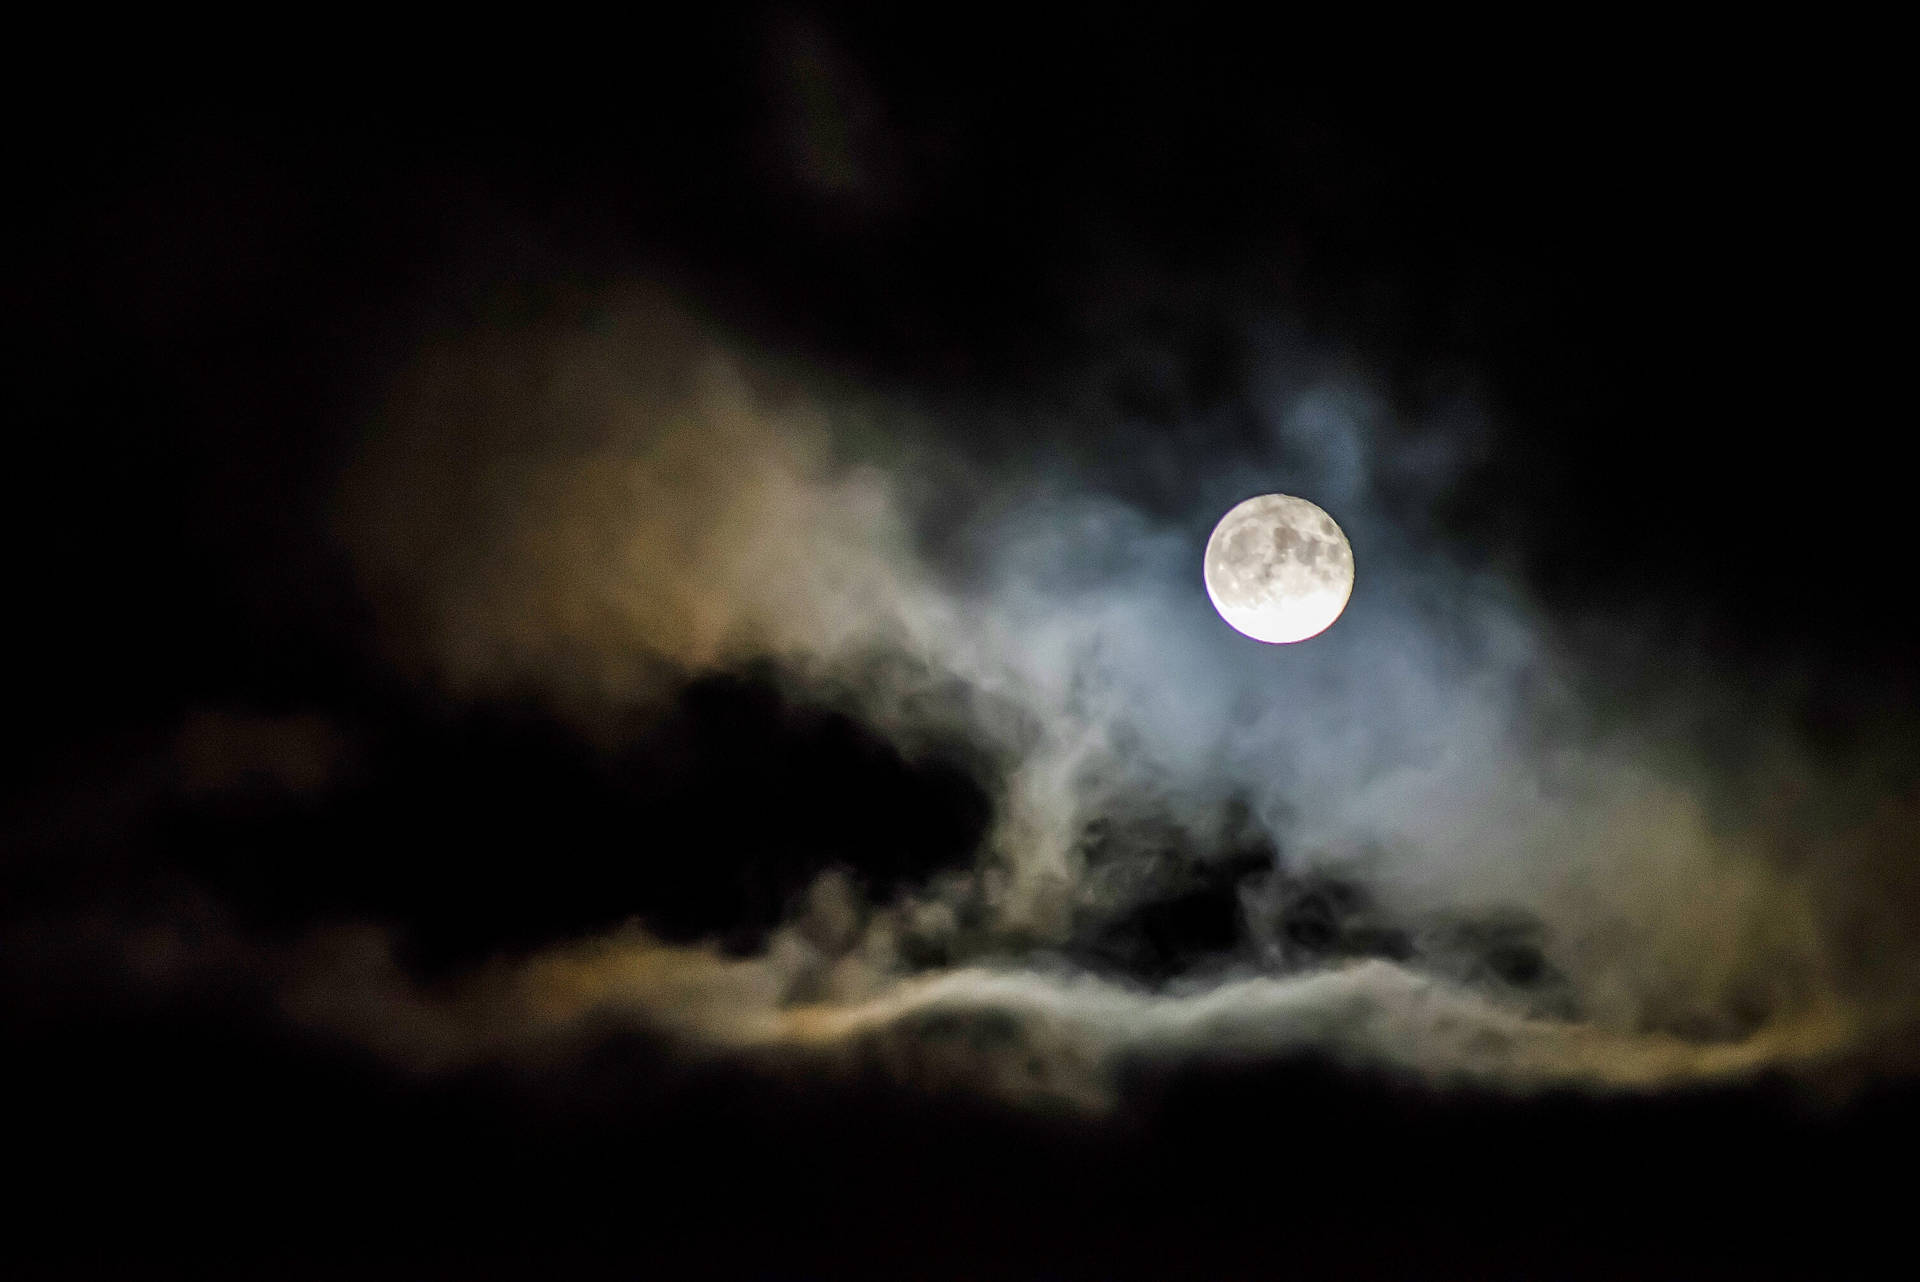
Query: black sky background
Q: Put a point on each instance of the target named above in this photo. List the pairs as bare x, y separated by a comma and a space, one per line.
1669, 271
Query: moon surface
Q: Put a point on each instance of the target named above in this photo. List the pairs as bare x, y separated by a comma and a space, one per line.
1279, 569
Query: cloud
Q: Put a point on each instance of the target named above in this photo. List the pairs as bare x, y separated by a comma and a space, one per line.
1425, 850
1020, 1032
228, 751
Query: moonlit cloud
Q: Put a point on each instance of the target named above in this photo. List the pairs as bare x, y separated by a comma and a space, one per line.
601, 511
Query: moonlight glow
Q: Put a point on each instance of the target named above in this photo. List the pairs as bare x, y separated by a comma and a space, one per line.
1278, 568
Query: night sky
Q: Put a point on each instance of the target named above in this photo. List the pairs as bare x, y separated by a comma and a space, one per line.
612, 676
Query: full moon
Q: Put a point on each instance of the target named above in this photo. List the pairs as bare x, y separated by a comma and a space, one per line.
1278, 568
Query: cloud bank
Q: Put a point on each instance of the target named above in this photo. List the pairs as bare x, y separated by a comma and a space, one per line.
1418, 841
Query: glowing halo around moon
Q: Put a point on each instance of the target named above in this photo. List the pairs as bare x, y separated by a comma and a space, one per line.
1279, 569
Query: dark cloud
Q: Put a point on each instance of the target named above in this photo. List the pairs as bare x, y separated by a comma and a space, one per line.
663, 647
701, 732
